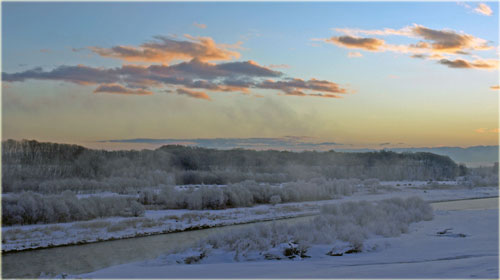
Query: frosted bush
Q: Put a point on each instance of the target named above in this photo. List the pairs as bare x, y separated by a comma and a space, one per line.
489, 180
247, 193
275, 199
32, 208
347, 223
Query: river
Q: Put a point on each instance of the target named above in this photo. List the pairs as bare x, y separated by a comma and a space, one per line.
79, 259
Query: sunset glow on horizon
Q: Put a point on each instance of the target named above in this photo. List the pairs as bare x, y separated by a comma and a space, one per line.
355, 75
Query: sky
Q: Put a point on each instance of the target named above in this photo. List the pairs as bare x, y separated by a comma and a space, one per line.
356, 75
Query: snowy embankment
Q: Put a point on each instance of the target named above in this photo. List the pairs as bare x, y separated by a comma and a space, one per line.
455, 244
18, 238
337, 230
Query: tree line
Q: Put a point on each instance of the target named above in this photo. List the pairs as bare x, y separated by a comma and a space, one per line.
32, 165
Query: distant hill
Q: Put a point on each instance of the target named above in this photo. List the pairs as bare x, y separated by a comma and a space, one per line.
471, 156
476, 155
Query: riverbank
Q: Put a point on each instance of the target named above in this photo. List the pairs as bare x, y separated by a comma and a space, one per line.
455, 244
31, 237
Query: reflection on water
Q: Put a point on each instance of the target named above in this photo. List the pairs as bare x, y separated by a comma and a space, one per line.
469, 204
86, 258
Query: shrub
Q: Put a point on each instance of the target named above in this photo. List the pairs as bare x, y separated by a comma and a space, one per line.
350, 222
247, 193
32, 208
275, 199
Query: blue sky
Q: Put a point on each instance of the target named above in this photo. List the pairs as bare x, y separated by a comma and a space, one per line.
390, 96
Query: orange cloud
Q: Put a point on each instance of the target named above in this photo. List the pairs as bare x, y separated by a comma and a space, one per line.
325, 95
486, 130
186, 77
279, 66
299, 87
163, 50
232, 88
478, 64
433, 45
119, 89
200, 25
483, 9
354, 54
194, 94
369, 44
448, 41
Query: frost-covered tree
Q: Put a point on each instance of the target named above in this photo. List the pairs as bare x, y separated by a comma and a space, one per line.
42, 167
275, 199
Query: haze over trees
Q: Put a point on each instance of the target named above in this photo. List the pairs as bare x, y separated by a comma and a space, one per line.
43, 179
31, 165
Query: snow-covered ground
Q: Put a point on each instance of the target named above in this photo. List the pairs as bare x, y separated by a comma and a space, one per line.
455, 244
16, 238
